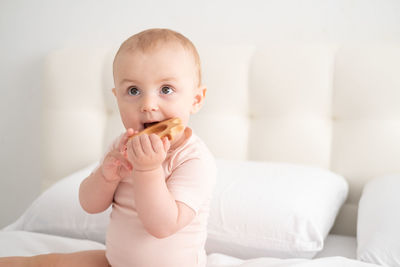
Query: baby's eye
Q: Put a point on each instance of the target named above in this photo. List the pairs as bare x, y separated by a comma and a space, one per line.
166, 90
133, 91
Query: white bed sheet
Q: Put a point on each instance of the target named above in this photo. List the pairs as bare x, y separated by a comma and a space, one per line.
22, 243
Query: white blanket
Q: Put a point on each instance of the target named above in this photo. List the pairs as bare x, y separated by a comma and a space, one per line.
22, 243
220, 260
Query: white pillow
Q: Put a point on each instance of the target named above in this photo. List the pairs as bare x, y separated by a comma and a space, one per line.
273, 209
378, 226
58, 212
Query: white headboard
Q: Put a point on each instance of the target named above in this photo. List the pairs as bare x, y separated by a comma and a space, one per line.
337, 107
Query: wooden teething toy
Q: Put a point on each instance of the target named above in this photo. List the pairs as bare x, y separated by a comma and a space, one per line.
169, 128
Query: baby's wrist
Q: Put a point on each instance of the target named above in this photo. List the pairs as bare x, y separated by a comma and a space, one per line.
146, 169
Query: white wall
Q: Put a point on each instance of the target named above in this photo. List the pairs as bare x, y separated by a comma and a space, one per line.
30, 29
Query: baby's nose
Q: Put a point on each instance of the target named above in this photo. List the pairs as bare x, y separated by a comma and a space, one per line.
149, 104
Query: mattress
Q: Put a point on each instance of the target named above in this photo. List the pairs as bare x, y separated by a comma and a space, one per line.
339, 251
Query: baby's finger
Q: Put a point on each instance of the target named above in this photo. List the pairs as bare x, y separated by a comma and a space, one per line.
122, 143
146, 144
156, 143
136, 146
166, 143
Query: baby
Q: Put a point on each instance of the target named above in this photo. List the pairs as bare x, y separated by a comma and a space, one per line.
160, 190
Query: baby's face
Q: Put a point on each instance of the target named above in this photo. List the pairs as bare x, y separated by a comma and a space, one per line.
156, 85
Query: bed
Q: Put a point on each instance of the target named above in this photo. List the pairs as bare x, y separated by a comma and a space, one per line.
306, 140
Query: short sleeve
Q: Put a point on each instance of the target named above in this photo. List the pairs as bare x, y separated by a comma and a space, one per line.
192, 182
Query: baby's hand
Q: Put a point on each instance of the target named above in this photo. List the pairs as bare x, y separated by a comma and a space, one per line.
147, 152
116, 165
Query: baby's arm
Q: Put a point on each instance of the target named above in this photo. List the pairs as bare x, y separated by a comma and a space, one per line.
160, 214
96, 192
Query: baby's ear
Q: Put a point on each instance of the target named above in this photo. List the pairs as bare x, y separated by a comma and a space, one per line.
114, 92
199, 99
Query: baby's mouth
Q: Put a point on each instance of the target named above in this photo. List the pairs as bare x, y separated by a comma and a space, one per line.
148, 124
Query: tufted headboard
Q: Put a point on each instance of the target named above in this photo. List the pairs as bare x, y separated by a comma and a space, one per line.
326, 105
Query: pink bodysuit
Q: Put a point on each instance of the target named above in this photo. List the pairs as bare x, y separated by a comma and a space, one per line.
190, 175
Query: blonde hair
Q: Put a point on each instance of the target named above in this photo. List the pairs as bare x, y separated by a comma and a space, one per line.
149, 39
